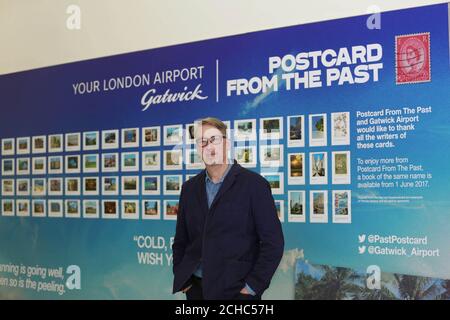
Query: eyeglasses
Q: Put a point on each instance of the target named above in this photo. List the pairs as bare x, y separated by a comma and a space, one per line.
213, 139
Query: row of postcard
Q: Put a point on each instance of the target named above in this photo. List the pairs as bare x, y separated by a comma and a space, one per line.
271, 156
151, 209
171, 184
244, 130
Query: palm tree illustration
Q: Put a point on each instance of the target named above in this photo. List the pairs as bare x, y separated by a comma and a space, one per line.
337, 283
446, 294
417, 288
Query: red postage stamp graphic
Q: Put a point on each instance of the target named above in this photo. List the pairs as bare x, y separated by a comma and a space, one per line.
412, 58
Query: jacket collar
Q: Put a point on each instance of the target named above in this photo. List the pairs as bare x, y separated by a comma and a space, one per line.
227, 183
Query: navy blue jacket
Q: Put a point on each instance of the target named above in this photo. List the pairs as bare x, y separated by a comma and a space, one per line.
238, 240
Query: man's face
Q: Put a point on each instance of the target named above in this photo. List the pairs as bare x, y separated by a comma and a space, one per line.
214, 152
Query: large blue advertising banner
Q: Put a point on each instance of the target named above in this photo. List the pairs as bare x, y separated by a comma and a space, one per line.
349, 124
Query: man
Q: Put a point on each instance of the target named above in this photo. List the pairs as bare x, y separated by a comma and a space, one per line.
228, 240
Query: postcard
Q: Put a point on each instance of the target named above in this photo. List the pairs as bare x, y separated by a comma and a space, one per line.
341, 167
91, 140
110, 209
245, 130
342, 212
73, 141
271, 128
72, 208
296, 131
318, 168
296, 208
318, 206
151, 185
110, 139
151, 209
340, 134
317, 130
151, 136
130, 138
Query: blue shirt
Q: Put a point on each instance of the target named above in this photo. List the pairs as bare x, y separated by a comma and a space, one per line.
211, 191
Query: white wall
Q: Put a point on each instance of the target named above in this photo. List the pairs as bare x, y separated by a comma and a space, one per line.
33, 33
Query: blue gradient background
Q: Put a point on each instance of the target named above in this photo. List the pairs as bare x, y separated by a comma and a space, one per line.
41, 101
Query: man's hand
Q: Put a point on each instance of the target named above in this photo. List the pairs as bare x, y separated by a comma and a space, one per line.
244, 291
186, 289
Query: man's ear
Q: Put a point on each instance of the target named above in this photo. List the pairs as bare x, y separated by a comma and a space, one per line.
227, 148
199, 150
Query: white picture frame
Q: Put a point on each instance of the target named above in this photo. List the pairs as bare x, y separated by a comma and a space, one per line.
127, 182
151, 160
8, 207
52, 213
93, 143
55, 143
89, 190
189, 133
21, 171
38, 208
38, 187
89, 167
241, 157
23, 145
8, 187
107, 183
127, 162
110, 139
39, 161
267, 160
147, 207
168, 213
276, 184
72, 163
110, 209
52, 169
72, 208
317, 136
23, 187
91, 209
318, 168
315, 216
151, 185
341, 167
340, 128
172, 181
126, 205
53, 183
23, 208
8, 167
173, 135
176, 162
72, 186
8, 146
72, 141
130, 137
279, 204
295, 135
247, 132
197, 163
148, 136
39, 144
296, 206
267, 132
342, 206
110, 162
296, 176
